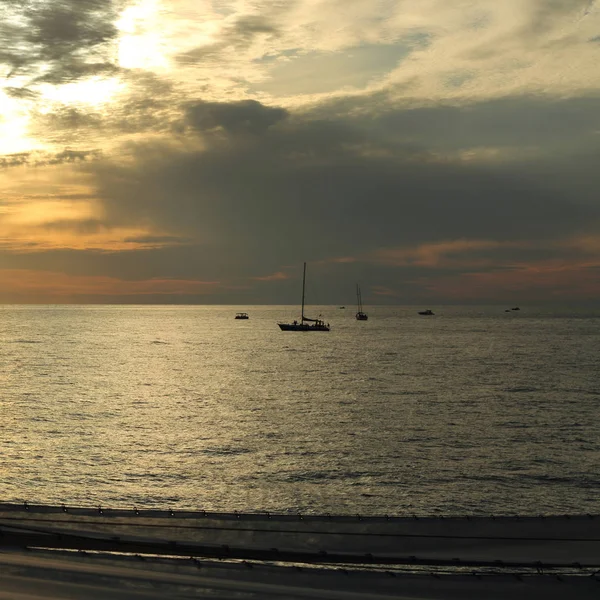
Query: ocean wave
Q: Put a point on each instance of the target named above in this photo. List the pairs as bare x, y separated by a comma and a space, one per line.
225, 451
324, 476
531, 479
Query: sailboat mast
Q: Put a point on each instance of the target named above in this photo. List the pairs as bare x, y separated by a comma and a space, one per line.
303, 284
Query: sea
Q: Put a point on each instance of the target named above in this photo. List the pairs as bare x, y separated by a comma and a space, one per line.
473, 411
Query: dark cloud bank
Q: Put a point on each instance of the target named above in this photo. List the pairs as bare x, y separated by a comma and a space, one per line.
259, 188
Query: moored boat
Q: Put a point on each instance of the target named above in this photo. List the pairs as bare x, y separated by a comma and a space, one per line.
360, 315
305, 324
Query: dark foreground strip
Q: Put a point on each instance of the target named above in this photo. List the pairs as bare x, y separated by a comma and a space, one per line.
171, 525
66, 541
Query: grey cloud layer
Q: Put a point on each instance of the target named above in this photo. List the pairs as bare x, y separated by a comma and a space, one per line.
239, 34
57, 40
265, 188
248, 116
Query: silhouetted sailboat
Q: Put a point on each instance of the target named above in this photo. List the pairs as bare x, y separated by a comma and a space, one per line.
360, 315
305, 323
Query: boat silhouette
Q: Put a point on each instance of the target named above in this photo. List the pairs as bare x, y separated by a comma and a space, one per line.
305, 323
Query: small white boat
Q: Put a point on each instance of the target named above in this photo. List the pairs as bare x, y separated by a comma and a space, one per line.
242, 315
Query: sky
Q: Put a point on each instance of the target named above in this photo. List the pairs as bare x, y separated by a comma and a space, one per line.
197, 151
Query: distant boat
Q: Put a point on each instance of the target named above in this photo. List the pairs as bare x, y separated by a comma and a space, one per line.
242, 316
305, 323
342, 307
360, 315
427, 312
515, 308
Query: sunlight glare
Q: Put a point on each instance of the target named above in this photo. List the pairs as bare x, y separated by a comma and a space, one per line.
141, 43
94, 91
13, 127
40, 212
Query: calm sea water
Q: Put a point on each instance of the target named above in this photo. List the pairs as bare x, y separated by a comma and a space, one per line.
472, 411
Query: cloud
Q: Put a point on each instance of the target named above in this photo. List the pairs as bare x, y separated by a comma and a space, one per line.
410, 140
233, 190
275, 188
321, 170
14, 160
246, 116
32, 284
301, 51
83, 226
238, 32
38, 159
280, 275
145, 104
293, 54
512, 47
465, 252
547, 281
157, 240
19, 93
59, 40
